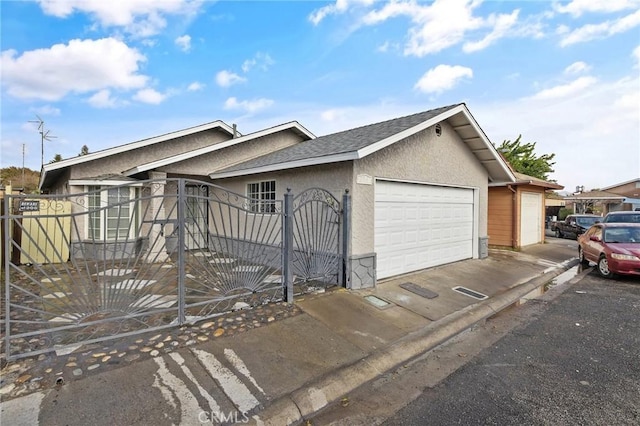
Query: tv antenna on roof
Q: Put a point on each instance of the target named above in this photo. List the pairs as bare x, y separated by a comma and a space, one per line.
44, 136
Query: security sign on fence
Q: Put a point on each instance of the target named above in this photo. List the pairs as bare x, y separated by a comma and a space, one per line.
121, 260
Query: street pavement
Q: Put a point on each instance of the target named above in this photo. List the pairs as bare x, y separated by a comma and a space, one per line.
575, 362
297, 364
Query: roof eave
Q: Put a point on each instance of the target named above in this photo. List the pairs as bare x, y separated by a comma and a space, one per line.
547, 185
315, 161
130, 146
212, 148
507, 176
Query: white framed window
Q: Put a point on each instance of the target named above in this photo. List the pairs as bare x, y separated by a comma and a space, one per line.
113, 212
263, 196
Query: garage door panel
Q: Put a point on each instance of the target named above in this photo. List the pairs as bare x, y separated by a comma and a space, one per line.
530, 218
420, 226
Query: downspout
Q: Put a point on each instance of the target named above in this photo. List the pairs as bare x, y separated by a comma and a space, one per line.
514, 220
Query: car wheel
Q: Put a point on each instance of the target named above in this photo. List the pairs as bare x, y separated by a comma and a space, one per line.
558, 233
603, 267
583, 260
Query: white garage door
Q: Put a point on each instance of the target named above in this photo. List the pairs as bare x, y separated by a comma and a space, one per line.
530, 218
420, 226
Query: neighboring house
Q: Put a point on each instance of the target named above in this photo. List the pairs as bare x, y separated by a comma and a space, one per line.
623, 196
517, 211
631, 192
596, 201
419, 183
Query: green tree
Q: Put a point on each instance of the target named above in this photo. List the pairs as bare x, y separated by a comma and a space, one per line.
56, 158
18, 177
84, 150
523, 158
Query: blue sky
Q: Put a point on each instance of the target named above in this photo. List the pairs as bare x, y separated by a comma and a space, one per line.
565, 75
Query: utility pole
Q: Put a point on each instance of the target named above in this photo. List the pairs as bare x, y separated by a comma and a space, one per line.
23, 145
44, 136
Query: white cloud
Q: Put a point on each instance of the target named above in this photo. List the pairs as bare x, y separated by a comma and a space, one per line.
636, 55
78, 67
576, 128
142, 18
436, 26
598, 31
577, 68
384, 47
439, 24
394, 9
261, 60
502, 25
442, 78
102, 99
247, 106
578, 7
226, 78
340, 6
444, 23
565, 90
331, 115
184, 42
195, 86
46, 110
149, 96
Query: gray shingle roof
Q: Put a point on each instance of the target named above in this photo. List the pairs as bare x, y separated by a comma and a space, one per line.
339, 143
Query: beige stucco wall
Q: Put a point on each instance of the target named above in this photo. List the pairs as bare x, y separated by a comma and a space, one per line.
217, 160
120, 162
335, 178
61, 186
423, 157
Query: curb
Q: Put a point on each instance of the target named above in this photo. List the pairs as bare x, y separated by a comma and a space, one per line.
311, 398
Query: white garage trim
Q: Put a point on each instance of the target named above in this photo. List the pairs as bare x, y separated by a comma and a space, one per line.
530, 218
420, 225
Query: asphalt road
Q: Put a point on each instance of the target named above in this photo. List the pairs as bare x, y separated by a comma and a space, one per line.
574, 361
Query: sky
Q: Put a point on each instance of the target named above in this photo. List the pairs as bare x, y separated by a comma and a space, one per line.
563, 74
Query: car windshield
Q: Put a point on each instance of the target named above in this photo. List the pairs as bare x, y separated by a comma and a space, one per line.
626, 218
622, 235
586, 222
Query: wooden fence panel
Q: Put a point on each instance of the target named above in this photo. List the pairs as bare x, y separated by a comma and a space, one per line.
46, 236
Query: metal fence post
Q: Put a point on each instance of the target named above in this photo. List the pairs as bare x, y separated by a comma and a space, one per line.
287, 247
5, 262
346, 238
181, 251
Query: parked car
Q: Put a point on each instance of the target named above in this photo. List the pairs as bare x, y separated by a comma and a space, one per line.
614, 247
574, 225
623, 216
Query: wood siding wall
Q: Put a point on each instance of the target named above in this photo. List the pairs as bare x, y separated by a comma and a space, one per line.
501, 220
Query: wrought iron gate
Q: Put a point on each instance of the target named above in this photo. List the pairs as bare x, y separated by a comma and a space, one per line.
133, 258
317, 260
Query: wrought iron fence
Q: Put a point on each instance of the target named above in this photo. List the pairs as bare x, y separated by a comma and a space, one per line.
125, 259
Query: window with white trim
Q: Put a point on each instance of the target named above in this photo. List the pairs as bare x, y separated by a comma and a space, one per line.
263, 196
113, 213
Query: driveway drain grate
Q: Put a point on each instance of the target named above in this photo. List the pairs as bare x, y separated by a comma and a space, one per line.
420, 291
470, 293
377, 302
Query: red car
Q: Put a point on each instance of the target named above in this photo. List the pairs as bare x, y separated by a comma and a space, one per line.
614, 247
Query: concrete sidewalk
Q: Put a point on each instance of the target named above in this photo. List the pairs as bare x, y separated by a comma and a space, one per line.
293, 367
